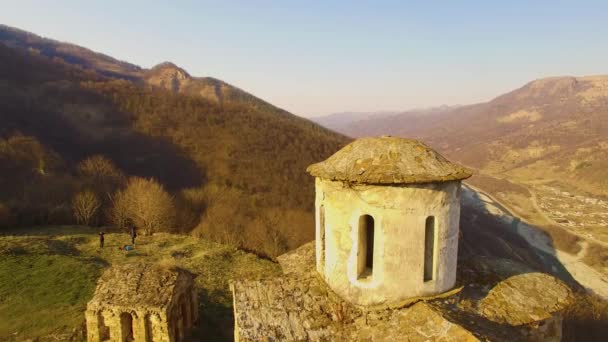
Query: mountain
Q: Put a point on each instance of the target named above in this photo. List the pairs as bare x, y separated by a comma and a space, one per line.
234, 164
165, 75
338, 121
358, 124
552, 129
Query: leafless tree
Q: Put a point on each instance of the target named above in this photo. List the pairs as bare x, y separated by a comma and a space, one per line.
146, 203
85, 206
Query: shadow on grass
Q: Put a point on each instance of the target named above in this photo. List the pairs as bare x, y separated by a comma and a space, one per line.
215, 317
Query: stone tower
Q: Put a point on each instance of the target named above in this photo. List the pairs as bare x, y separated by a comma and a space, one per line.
387, 220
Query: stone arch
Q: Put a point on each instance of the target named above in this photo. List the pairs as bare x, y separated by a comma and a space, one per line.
149, 321
104, 330
126, 326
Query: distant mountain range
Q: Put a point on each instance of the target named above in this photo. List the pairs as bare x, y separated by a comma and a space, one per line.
552, 129
348, 121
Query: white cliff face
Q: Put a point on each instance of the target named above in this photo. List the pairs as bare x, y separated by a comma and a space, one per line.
412, 251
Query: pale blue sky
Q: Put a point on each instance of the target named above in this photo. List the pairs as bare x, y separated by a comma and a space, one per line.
320, 57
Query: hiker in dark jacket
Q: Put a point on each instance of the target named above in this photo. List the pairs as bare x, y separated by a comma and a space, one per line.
101, 239
133, 234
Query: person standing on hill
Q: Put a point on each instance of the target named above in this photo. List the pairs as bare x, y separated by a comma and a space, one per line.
101, 239
133, 233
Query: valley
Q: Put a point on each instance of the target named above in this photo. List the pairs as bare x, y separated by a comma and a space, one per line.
214, 180
593, 279
541, 150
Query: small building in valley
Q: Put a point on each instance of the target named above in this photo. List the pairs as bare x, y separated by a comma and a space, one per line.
142, 302
387, 220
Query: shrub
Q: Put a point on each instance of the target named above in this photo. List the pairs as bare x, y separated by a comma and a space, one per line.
564, 240
596, 256
190, 204
85, 206
146, 203
225, 216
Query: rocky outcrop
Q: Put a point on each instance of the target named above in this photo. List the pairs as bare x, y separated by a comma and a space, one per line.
168, 76
532, 301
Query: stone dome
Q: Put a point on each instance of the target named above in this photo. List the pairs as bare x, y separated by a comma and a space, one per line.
388, 160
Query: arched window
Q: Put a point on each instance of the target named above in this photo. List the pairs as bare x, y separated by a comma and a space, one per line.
429, 248
104, 330
322, 235
126, 326
149, 328
365, 255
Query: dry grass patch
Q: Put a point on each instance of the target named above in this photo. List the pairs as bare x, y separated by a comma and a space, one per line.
597, 257
564, 240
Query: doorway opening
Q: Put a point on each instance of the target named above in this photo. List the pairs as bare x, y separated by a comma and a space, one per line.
126, 326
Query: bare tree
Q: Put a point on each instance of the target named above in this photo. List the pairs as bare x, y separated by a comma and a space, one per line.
101, 173
85, 206
146, 203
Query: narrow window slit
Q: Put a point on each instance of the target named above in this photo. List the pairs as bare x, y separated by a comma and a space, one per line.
429, 248
365, 257
322, 235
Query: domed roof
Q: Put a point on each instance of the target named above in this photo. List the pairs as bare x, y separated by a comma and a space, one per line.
388, 160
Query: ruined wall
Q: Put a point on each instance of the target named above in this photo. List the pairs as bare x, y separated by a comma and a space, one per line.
109, 324
183, 312
399, 213
121, 312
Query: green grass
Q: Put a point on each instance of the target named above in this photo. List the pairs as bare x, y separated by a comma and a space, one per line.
48, 274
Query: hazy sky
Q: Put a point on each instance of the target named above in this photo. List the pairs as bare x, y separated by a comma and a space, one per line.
320, 57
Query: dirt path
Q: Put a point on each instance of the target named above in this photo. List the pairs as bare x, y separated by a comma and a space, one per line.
584, 274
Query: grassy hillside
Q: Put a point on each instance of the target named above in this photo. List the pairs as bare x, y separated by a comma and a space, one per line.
49, 274
236, 169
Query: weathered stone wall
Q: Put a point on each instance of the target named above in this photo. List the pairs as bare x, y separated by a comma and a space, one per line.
182, 312
145, 325
300, 307
399, 213
532, 301
139, 302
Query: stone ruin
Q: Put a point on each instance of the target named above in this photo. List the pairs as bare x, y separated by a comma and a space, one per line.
532, 302
142, 302
383, 266
299, 306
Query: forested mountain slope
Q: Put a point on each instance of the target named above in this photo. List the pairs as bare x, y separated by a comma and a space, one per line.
235, 168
